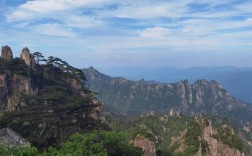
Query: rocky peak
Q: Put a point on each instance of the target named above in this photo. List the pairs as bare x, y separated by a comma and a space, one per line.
215, 146
93, 73
27, 57
173, 113
7, 53
188, 99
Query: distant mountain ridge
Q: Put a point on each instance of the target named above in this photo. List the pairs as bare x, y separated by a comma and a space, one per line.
236, 80
139, 97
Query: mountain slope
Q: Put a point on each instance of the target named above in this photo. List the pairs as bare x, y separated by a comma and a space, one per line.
140, 97
173, 134
44, 102
236, 80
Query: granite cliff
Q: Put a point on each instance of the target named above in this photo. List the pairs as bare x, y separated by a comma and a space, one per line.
44, 102
13, 81
143, 97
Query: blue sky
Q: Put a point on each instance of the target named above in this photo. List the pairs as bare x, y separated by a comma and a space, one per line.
145, 33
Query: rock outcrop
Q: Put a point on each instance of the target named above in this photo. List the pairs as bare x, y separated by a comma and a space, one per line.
11, 88
27, 57
7, 53
209, 142
44, 103
143, 97
3, 91
215, 147
146, 145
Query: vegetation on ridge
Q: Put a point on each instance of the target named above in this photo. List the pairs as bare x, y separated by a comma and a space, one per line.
58, 106
170, 132
48, 100
97, 143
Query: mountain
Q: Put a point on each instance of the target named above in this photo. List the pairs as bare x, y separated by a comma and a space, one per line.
175, 118
141, 97
236, 80
46, 102
173, 134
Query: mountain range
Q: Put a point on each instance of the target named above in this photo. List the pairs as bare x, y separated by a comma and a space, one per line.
145, 105
236, 80
49, 103
140, 97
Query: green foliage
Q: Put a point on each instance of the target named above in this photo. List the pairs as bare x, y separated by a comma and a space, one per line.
204, 146
226, 135
18, 151
192, 142
38, 57
157, 128
59, 88
16, 66
96, 144
143, 133
165, 127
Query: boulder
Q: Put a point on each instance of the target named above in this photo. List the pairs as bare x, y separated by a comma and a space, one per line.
146, 145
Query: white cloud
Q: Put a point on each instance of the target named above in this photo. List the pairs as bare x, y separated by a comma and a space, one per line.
53, 30
50, 8
77, 21
143, 12
168, 25
155, 32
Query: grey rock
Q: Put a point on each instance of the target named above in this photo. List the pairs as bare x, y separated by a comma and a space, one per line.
7, 53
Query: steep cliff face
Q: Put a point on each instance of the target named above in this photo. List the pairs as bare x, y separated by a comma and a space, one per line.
13, 83
3, 91
45, 102
13, 87
215, 147
141, 97
204, 139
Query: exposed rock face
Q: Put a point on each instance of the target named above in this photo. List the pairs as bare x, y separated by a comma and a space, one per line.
21, 83
180, 141
146, 145
76, 85
26, 56
7, 53
211, 147
174, 113
142, 97
43, 103
3, 91
215, 147
11, 88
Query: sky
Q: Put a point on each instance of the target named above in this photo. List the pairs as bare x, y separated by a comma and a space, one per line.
143, 33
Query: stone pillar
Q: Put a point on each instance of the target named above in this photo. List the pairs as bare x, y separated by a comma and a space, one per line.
27, 57
7, 53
